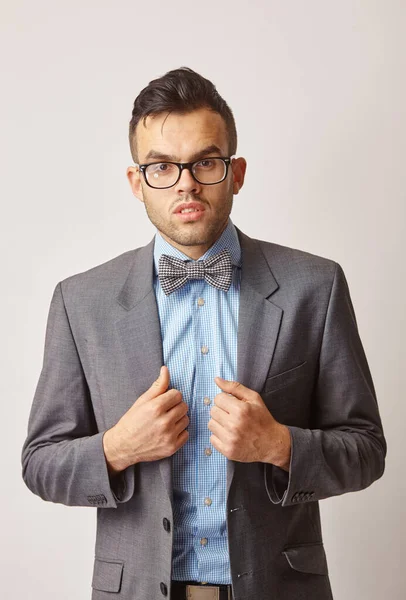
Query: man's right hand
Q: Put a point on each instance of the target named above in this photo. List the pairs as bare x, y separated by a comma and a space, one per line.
153, 428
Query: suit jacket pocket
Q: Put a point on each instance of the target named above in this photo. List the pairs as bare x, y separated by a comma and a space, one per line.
280, 380
107, 575
307, 558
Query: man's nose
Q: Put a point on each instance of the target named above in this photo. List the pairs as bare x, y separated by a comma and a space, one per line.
187, 183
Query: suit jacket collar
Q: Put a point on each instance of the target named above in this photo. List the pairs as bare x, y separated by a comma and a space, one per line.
256, 272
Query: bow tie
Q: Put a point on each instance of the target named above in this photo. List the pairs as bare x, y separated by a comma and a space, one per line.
217, 270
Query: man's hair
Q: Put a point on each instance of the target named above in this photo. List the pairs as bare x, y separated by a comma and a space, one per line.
180, 90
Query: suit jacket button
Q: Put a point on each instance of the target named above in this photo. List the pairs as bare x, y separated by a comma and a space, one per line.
164, 589
167, 525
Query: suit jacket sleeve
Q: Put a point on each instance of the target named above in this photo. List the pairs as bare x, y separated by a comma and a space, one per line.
62, 457
345, 448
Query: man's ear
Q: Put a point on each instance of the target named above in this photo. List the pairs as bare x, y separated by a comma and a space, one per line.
239, 166
134, 178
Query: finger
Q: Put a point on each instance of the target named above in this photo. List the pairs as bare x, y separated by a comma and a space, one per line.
226, 402
221, 416
217, 444
217, 429
170, 400
235, 388
160, 384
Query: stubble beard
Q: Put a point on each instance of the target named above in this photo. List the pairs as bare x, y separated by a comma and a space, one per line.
191, 233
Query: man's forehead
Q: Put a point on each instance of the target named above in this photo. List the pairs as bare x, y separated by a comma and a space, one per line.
177, 132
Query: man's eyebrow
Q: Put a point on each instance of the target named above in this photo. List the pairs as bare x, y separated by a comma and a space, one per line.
154, 154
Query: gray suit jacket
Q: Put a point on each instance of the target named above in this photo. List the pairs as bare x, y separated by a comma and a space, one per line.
298, 346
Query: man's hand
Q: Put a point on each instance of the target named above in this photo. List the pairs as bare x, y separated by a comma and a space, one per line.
243, 428
153, 428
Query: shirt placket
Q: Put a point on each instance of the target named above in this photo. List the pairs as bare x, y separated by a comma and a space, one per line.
205, 360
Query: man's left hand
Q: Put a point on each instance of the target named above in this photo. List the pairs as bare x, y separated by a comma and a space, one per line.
243, 428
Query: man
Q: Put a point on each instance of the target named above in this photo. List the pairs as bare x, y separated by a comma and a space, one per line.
204, 391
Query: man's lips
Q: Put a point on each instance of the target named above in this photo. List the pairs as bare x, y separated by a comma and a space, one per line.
195, 205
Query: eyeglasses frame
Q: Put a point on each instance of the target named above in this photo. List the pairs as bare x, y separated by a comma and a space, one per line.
181, 166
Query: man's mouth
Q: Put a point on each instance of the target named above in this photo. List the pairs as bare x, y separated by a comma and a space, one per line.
189, 207
189, 210
192, 211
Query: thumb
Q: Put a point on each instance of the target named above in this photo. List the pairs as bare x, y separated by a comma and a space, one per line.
236, 389
160, 384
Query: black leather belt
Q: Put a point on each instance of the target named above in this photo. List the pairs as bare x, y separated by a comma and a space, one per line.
196, 590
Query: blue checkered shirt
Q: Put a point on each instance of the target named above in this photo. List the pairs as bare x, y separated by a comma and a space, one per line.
199, 332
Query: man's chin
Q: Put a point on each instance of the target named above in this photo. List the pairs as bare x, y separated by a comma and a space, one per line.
191, 240
191, 234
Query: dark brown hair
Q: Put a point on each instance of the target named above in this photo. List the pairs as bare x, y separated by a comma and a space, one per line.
181, 90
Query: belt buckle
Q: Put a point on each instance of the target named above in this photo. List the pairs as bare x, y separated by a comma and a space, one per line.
202, 592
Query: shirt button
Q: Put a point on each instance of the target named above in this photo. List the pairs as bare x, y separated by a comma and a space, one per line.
205, 349
207, 451
207, 401
203, 541
207, 501
200, 301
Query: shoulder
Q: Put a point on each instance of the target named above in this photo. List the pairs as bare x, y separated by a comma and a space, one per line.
294, 268
280, 256
101, 283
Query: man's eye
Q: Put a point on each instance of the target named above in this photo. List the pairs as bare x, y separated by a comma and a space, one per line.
205, 164
160, 167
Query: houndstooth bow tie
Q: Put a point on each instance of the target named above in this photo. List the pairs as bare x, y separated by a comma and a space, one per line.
217, 270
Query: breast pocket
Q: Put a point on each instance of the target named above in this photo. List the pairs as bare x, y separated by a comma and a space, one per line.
285, 378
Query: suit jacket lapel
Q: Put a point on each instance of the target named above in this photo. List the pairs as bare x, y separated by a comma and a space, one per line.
258, 326
138, 328
258, 322
139, 331
258, 319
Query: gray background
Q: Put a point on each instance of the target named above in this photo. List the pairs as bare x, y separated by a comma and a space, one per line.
318, 92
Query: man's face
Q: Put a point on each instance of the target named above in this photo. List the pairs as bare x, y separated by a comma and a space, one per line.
186, 138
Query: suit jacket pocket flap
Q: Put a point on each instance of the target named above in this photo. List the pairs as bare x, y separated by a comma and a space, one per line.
310, 558
107, 575
280, 380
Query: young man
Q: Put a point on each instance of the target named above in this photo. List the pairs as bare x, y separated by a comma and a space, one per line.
208, 387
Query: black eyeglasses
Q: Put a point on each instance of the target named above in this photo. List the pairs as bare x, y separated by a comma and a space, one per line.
208, 171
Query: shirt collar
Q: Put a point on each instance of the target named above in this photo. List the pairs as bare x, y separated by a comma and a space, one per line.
228, 240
